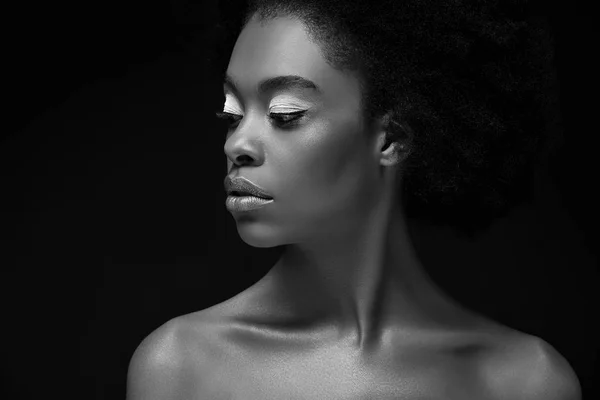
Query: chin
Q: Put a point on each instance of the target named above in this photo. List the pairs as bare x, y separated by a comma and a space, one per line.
257, 235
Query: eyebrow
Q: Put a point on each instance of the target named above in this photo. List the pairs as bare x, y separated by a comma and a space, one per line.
276, 83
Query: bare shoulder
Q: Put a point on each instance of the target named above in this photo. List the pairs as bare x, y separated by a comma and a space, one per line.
162, 362
529, 368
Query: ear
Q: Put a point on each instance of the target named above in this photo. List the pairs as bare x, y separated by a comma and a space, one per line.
393, 140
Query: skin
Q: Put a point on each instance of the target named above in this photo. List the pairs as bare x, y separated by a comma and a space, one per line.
348, 311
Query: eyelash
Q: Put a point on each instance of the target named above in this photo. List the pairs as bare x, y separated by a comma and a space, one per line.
289, 118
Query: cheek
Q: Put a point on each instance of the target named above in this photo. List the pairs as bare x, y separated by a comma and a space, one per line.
330, 166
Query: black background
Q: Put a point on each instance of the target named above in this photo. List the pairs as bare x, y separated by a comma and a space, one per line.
113, 204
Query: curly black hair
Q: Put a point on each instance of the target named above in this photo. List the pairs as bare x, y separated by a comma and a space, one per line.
474, 80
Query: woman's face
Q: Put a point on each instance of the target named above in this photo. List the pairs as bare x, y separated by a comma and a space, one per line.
321, 168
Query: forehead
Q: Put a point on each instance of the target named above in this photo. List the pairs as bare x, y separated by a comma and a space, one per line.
279, 47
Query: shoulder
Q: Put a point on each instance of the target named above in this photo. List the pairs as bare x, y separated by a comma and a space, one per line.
529, 368
161, 361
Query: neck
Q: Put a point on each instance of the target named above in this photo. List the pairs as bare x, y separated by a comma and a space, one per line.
362, 279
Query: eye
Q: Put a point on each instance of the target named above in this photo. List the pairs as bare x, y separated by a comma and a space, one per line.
281, 119
229, 117
285, 119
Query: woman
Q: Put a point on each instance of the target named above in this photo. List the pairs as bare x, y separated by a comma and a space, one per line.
340, 114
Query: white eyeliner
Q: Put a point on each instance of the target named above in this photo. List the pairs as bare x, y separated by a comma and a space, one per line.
282, 105
229, 105
289, 104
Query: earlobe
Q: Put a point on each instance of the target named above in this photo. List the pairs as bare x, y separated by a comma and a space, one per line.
393, 141
391, 154
392, 150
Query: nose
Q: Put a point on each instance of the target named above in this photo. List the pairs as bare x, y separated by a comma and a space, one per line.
243, 147
242, 154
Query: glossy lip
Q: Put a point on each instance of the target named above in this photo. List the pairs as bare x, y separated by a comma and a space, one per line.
245, 187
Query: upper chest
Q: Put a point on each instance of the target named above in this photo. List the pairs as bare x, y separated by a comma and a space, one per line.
337, 379
256, 368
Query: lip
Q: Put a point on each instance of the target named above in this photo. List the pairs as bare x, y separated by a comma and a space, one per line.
245, 203
245, 187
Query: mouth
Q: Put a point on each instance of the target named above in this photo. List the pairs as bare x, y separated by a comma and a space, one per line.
237, 193
242, 187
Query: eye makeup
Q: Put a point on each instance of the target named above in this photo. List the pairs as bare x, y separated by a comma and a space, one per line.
231, 106
287, 104
284, 111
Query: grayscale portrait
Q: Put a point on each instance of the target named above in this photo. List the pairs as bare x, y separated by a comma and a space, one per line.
343, 121
299, 200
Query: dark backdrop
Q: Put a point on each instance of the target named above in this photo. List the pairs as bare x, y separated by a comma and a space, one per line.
113, 210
